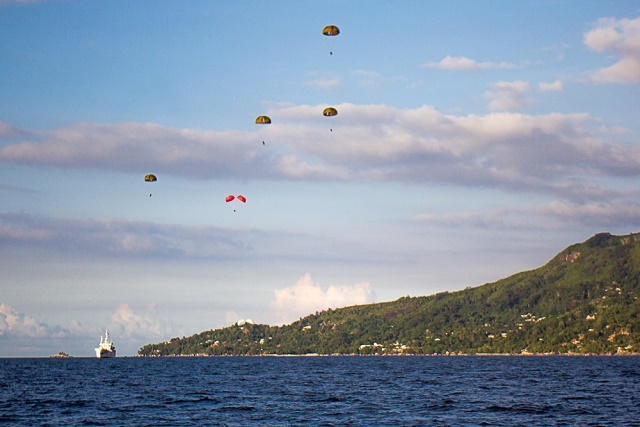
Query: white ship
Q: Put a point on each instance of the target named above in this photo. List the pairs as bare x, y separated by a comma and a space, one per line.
106, 348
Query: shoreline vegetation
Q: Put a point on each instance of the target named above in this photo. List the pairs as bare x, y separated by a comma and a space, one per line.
623, 354
585, 301
138, 356
61, 355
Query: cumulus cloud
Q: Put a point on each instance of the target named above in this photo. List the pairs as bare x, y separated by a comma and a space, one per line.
461, 63
185, 152
125, 321
21, 325
14, 323
504, 149
622, 38
306, 297
128, 146
555, 86
506, 96
30, 335
508, 150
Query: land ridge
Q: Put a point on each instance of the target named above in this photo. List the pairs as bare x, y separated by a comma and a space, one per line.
584, 301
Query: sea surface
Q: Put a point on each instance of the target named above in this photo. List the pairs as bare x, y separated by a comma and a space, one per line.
322, 391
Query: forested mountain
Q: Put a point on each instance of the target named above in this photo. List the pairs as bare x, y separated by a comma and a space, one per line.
585, 300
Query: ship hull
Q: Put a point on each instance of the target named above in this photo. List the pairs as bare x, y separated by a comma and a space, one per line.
105, 354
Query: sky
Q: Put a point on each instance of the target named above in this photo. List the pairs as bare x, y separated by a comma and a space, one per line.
473, 140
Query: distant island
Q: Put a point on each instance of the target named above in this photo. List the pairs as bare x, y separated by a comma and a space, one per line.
583, 302
61, 355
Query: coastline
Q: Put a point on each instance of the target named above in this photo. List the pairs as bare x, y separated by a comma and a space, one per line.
407, 355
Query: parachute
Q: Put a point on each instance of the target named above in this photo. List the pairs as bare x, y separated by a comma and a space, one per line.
239, 197
263, 120
150, 178
330, 111
331, 30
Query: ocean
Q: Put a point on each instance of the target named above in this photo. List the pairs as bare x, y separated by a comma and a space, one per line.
322, 391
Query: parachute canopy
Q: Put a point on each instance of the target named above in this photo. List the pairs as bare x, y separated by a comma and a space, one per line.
150, 178
231, 198
330, 111
263, 120
330, 30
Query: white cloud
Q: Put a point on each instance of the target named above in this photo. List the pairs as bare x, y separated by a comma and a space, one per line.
306, 297
19, 324
126, 322
370, 142
461, 63
186, 152
29, 334
24, 326
622, 37
506, 96
555, 86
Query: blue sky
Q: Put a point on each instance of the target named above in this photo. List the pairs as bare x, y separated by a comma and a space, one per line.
473, 140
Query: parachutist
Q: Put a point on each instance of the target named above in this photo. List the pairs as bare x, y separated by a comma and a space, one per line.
331, 30
150, 178
330, 112
239, 197
263, 120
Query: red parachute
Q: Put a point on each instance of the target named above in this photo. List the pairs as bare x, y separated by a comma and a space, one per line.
239, 197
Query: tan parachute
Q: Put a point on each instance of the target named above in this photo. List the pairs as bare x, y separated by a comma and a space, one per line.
330, 111
331, 31
150, 178
263, 120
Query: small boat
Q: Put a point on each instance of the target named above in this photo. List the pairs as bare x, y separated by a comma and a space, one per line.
106, 348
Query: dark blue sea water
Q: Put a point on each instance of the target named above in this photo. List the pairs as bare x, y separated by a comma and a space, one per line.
322, 391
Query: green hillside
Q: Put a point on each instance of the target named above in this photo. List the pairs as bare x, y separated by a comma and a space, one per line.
585, 300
